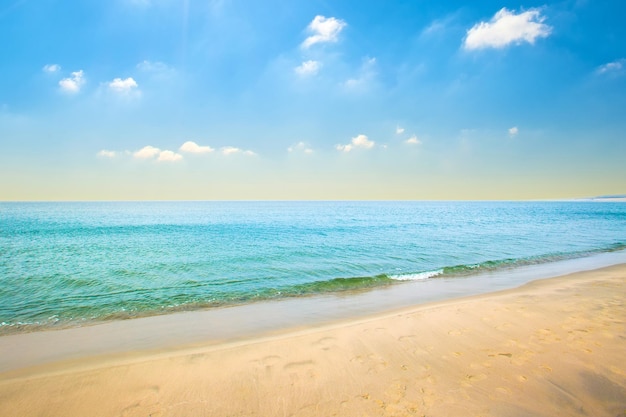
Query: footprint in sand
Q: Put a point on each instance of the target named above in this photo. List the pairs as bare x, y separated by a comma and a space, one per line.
196, 357
267, 362
407, 338
545, 368
298, 365
326, 343
503, 326
470, 380
148, 404
301, 370
376, 363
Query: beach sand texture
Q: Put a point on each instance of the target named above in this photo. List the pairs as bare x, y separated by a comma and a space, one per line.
554, 347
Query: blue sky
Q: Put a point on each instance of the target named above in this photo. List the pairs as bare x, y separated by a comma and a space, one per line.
234, 99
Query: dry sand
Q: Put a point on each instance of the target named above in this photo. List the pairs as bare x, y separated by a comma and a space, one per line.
554, 347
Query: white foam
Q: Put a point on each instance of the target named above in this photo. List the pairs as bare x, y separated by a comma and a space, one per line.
418, 276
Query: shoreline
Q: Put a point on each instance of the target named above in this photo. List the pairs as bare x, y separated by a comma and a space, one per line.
189, 329
247, 321
557, 341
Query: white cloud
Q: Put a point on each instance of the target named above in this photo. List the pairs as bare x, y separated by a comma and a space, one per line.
231, 150
513, 131
300, 147
413, 140
74, 83
150, 152
612, 67
123, 86
399, 130
156, 69
51, 68
323, 29
308, 68
366, 74
438, 26
360, 141
147, 152
193, 147
507, 28
169, 156
107, 154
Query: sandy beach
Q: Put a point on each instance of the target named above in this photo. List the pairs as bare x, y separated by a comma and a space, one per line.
551, 347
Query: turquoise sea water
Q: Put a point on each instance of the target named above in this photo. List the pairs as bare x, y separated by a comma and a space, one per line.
67, 263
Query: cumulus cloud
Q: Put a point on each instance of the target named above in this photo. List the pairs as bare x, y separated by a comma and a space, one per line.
359, 141
308, 68
231, 150
513, 131
300, 147
169, 156
51, 68
612, 67
323, 29
147, 152
151, 152
399, 130
107, 154
505, 28
193, 147
74, 83
123, 86
413, 140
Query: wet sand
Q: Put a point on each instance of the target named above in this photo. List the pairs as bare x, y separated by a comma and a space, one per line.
551, 347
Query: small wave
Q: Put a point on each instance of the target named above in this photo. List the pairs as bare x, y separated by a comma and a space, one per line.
84, 309
337, 284
417, 276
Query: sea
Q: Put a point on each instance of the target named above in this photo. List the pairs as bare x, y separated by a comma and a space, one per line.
64, 264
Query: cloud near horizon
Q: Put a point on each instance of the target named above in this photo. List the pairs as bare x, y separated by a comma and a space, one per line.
513, 131
169, 156
359, 141
324, 30
413, 140
193, 147
300, 147
151, 152
506, 28
107, 154
232, 150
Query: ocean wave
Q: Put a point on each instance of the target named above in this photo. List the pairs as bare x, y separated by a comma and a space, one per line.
81, 311
419, 276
